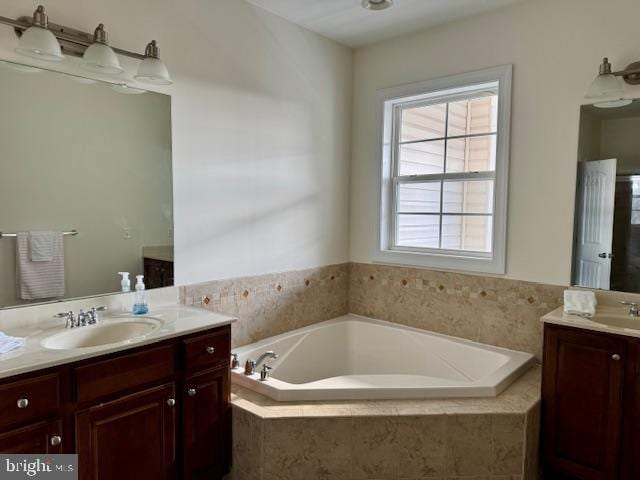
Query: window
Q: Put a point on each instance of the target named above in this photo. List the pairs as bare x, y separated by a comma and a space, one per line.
444, 172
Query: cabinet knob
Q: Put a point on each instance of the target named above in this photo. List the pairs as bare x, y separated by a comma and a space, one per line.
23, 403
171, 402
55, 440
615, 357
211, 350
192, 392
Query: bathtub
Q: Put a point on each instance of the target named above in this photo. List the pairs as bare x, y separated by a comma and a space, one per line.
355, 358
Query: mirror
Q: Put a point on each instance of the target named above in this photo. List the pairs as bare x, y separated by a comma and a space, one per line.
606, 248
85, 186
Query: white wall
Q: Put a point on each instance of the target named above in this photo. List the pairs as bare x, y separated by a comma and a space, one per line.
555, 47
261, 129
75, 156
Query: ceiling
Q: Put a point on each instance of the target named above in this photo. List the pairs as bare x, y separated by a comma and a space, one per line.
347, 22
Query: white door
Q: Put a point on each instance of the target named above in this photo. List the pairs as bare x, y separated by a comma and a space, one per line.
596, 195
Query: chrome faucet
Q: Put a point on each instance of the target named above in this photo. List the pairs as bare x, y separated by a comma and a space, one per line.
83, 319
250, 365
634, 310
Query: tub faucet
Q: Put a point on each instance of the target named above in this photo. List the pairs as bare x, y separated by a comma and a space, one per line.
250, 365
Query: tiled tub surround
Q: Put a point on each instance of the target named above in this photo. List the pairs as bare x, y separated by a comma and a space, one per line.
444, 439
268, 305
490, 310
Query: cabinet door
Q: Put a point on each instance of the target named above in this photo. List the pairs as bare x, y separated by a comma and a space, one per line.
631, 435
207, 425
44, 437
131, 438
582, 399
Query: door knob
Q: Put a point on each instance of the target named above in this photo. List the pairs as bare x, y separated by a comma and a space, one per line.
171, 402
602, 255
55, 440
23, 403
192, 392
615, 357
211, 350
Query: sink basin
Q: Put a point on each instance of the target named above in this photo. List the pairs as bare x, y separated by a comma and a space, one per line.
107, 333
616, 317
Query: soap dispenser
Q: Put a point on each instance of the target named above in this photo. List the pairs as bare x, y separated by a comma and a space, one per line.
140, 306
125, 283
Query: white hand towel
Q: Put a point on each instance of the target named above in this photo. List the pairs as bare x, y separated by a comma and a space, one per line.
8, 344
39, 280
41, 246
580, 302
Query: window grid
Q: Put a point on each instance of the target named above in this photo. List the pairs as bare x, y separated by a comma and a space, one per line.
440, 177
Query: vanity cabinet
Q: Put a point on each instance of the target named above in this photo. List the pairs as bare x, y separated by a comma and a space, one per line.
160, 411
206, 418
590, 405
132, 437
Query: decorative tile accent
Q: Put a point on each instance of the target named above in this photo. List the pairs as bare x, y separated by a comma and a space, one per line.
268, 305
490, 310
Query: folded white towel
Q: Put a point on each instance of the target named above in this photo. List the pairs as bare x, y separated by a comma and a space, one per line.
41, 246
7, 344
580, 302
39, 280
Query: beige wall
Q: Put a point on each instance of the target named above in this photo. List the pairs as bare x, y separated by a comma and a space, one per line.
75, 156
261, 129
555, 47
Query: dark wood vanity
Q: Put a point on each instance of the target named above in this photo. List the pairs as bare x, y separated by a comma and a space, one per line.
591, 405
161, 411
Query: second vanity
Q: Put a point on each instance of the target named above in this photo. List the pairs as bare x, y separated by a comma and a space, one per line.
154, 405
591, 395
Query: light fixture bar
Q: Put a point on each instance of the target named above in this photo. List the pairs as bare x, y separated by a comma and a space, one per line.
73, 42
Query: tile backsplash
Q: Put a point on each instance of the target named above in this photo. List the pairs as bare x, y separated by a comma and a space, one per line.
268, 305
490, 310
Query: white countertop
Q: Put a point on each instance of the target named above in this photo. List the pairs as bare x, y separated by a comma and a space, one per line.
604, 320
175, 320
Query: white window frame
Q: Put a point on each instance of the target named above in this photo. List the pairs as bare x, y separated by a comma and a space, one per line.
440, 90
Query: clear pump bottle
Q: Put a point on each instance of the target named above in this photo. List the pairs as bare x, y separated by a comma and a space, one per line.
140, 306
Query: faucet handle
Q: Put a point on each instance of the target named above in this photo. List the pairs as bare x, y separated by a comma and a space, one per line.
265, 373
235, 363
69, 317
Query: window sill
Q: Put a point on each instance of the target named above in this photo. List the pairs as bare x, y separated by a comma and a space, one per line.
460, 263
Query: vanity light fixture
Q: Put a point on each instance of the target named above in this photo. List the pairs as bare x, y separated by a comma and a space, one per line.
48, 41
99, 57
37, 41
607, 89
377, 4
152, 69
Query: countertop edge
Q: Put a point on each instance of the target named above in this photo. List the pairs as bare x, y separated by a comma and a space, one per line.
221, 321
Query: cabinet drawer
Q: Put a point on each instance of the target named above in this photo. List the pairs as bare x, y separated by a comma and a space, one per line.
105, 377
207, 350
25, 400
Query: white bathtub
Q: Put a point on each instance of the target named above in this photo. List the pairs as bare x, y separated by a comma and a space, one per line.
353, 357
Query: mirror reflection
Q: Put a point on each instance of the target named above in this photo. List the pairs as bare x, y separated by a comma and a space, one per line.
85, 186
606, 251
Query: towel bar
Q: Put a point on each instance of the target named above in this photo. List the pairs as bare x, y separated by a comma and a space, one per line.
70, 232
